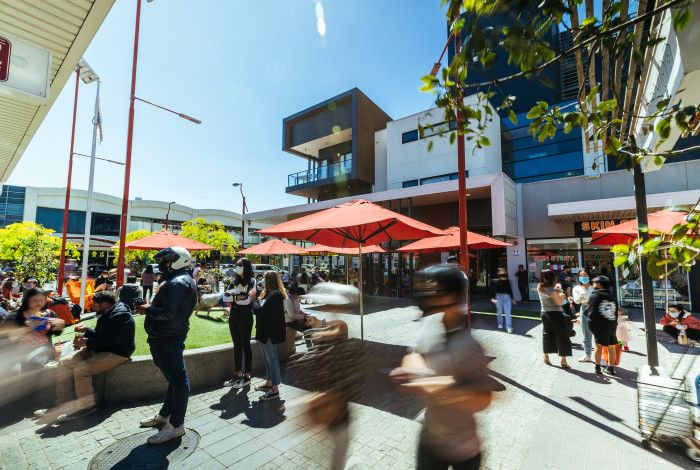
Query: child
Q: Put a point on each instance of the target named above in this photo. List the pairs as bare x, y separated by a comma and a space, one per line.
623, 332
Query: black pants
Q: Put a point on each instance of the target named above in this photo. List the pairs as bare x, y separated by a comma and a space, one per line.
524, 295
167, 356
427, 460
147, 292
240, 324
555, 334
673, 331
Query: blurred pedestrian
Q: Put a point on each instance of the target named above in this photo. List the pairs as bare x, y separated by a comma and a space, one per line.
502, 297
581, 294
271, 330
602, 321
108, 345
448, 369
555, 331
148, 277
240, 322
167, 323
130, 292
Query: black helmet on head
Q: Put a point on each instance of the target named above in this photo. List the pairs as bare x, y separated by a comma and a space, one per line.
603, 281
173, 258
440, 285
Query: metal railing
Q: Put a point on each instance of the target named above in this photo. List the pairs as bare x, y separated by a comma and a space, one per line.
320, 173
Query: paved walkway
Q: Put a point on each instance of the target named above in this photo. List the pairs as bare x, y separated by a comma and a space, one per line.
547, 418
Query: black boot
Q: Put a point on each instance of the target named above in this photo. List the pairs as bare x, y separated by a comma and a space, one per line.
610, 370
598, 370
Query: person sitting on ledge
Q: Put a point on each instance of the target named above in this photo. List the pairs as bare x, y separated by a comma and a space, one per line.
675, 316
108, 345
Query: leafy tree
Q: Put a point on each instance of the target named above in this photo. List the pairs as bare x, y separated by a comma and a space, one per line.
130, 256
609, 110
33, 249
211, 233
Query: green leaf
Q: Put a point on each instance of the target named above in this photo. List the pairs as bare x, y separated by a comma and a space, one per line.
589, 21
592, 94
487, 59
513, 118
620, 260
681, 19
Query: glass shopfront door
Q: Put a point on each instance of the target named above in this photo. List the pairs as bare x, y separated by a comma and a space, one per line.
551, 254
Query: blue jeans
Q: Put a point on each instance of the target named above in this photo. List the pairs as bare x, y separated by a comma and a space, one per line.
272, 364
504, 302
167, 356
587, 335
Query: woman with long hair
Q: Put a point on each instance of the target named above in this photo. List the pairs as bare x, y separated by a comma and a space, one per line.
34, 324
240, 322
147, 279
555, 331
271, 330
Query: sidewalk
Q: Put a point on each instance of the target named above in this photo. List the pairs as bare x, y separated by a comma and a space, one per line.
547, 418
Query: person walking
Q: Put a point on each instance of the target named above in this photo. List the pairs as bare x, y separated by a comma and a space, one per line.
108, 345
521, 276
148, 277
271, 330
502, 296
167, 323
555, 331
581, 294
602, 321
240, 322
448, 369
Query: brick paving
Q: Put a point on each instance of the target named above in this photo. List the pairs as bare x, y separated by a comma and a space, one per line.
547, 418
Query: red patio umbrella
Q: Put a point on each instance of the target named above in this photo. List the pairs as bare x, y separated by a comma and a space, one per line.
273, 247
366, 250
659, 223
165, 239
353, 224
451, 242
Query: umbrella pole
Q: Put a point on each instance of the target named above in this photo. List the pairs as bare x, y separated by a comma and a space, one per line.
362, 302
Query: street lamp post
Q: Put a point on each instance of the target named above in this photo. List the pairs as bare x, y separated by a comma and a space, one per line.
129, 142
243, 209
84, 72
167, 214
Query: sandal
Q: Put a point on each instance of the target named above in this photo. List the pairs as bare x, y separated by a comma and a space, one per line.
546, 361
564, 365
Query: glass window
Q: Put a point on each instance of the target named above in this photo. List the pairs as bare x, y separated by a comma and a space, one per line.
53, 219
105, 224
551, 254
410, 184
675, 289
435, 179
410, 136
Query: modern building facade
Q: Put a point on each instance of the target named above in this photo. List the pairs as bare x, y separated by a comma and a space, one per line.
45, 206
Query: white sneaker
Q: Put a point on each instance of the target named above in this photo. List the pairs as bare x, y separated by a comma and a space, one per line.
168, 432
510, 330
585, 359
154, 421
500, 327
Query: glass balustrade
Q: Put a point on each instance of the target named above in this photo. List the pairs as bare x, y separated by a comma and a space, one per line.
320, 173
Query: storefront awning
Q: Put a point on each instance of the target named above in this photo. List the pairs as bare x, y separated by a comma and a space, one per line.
618, 207
65, 29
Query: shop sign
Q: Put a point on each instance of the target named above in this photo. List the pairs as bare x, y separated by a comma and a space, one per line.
587, 227
25, 70
5, 50
553, 258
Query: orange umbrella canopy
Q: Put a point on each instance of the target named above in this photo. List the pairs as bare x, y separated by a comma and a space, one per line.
273, 247
451, 242
342, 251
659, 222
165, 239
352, 224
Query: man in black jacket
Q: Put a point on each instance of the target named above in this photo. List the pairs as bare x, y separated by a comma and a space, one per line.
167, 323
108, 345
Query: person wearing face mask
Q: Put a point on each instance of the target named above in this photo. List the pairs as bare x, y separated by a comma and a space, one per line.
675, 316
240, 322
447, 369
581, 294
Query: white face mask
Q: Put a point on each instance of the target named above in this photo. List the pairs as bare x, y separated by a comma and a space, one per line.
238, 270
674, 314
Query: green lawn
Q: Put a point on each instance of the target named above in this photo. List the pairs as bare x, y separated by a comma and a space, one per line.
203, 332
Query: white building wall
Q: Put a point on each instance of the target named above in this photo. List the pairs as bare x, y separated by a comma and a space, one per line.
380, 152
412, 160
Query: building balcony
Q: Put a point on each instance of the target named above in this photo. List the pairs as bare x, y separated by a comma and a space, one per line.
319, 175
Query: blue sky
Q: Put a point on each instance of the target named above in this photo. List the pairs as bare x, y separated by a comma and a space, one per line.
240, 67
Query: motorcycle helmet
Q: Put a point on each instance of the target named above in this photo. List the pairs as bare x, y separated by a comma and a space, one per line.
173, 258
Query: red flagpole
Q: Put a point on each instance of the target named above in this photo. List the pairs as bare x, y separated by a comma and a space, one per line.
66, 210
